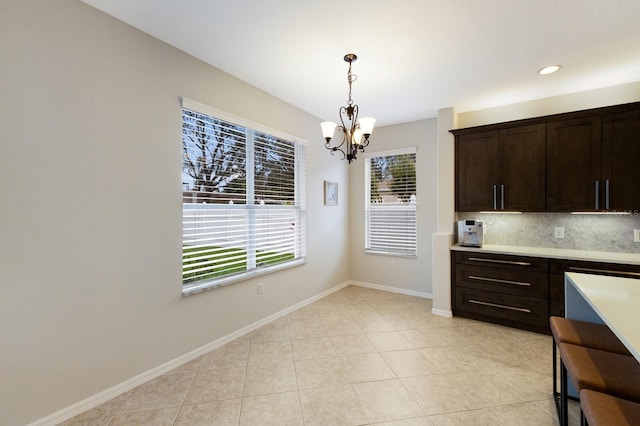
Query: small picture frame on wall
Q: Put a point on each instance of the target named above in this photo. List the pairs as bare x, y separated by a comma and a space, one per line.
330, 193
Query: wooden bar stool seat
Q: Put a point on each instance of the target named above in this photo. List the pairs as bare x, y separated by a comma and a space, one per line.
602, 409
588, 334
607, 372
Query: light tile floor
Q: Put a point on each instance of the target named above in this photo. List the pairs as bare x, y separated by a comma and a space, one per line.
356, 357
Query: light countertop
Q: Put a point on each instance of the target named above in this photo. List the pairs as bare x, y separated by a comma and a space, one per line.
554, 253
616, 301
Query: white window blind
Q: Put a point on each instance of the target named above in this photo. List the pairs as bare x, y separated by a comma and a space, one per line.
391, 202
243, 200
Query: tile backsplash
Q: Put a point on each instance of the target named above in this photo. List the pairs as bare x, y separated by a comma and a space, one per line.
597, 232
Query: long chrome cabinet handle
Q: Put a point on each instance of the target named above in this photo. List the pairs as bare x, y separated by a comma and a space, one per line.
604, 271
495, 200
597, 195
495, 305
505, 262
502, 196
606, 194
496, 280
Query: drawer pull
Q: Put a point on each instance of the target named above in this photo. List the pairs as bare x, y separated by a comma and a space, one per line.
604, 271
496, 280
495, 305
506, 262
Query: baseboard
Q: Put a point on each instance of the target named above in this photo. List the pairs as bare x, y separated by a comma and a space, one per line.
442, 313
392, 289
112, 392
439, 312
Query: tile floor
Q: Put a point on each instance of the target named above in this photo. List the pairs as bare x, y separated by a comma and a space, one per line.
356, 357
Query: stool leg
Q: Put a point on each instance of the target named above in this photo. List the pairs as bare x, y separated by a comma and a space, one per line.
556, 394
555, 370
564, 402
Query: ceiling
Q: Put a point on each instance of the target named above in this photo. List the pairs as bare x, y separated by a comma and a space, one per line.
414, 56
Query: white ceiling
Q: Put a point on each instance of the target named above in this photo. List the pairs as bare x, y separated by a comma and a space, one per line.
414, 56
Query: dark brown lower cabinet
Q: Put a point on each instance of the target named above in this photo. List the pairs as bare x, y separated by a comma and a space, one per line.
502, 289
518, 291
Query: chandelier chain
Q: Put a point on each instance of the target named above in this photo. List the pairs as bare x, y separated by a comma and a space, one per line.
350, 78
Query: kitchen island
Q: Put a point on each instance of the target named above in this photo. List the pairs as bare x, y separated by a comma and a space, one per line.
613, 301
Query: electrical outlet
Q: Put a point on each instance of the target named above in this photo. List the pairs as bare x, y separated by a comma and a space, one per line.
558, 232
260, 288
393, 266
636, 235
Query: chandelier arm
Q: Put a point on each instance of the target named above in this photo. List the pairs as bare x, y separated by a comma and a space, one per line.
347, 132
336, 149
332, 148
354, 119
364, 144
354, 126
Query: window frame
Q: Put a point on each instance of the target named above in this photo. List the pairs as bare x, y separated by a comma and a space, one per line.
251, 207
403, 207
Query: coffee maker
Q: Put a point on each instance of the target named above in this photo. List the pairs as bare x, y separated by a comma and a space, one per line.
470, 233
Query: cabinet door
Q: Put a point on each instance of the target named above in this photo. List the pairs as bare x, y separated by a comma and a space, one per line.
621, 161
574, 165
522, 169
476, 171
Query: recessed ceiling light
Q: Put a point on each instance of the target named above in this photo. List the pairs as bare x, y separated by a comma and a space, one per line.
548, 70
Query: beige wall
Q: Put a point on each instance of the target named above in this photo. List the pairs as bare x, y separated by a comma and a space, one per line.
555, 105
90, 182
91, 219
412, 276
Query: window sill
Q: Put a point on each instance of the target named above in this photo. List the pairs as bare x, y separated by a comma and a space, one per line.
198, 287
384, 253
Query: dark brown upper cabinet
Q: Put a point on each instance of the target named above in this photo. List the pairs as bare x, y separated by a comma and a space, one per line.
574, 157
578, 161
593, 163
621, 161
476, 171
501, 170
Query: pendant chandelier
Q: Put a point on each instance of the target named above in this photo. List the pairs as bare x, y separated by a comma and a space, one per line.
355, 134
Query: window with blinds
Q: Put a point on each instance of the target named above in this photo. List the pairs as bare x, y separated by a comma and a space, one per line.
243, 199
390, 207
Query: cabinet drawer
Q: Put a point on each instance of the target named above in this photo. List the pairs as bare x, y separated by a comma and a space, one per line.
525, 310
598, 268
502, 280
557, 268
521, 263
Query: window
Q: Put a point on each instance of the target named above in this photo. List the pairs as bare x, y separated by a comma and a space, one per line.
390, 222
243, 199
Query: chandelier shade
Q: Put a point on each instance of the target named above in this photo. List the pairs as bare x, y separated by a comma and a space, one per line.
355, 132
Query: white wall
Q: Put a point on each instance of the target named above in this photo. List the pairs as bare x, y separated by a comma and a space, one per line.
90, 228
412, 276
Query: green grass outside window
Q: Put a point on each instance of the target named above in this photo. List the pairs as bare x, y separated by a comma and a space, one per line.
218, 260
